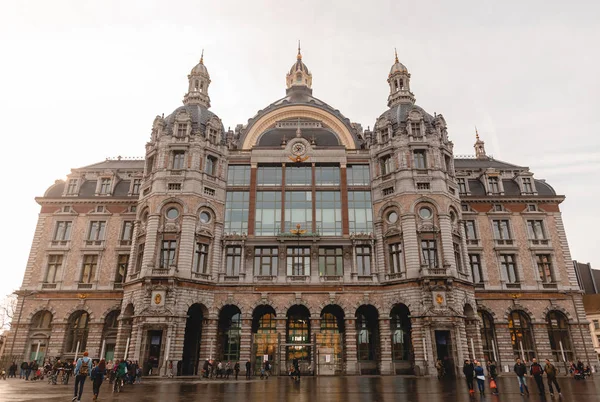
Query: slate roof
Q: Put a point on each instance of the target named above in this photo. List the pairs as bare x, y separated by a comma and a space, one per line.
200, 116
397, 114
123, 164
468, 163
274, 136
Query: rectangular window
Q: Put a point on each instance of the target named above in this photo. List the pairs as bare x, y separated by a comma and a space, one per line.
200, 263
360, 212
544, 264
269, 176
96, 232
182, 129
535, 230
386, 164
127, 231
298, 261
233, 260
501, 229
63, 231
268, 213
236, 212
122, 262
476, 271
388, 191
532, 208
90, 264
462, 186
212, 135
423, 186
54, 265
210, 167
429, 251
527, 187
509, 268
415, 128
329, 213
498, 208
209, 191
330, 261
174, 186
135, 188
178, 160
327, 176
298, 210
139, 257
265, 261
358, 175
167, 253
105, 186
396, 261
238, 175
72, 187
363, 260
299, 176
419, 159
493, 185
596, 324
385, 136
470, 231
458, 257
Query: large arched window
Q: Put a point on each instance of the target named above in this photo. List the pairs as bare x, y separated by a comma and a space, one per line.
488, 336
298, 333
400, 328
559, 335
367, 334
521, 335
265, 337
77, 331
109, 334
230, 328
42, 320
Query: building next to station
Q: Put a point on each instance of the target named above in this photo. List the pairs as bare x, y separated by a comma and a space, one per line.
300, 235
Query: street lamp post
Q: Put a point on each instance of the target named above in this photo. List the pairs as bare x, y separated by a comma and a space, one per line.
25, 296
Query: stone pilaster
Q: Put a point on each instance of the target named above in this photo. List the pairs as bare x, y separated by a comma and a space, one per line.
208, 342
186, 245
350, 344
245, 342
280, 324
385, 342
447, 244
411, 247
149, 259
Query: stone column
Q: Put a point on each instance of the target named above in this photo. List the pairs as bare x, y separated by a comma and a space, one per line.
504, 346
186, 245
315, 328
208, 343
379, 252
350, 345
411, 247
421, 346
217, 252
245, 342
447, 247
385, 342
150, 246
124, 331
280, 324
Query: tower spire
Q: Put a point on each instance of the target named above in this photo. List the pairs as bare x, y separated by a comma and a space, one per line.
202, 57
479, 147
299, 57
476, 133
396, 53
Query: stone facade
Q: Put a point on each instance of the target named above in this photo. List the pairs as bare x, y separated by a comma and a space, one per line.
299, 235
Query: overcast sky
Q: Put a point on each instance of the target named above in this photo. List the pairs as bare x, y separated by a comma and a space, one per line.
81, 81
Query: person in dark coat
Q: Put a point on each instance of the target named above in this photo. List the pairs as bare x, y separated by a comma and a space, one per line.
248, 369
236, 369
551, 372
205, 368
537, 371
469, 372
493, 371
520, 370
97, 376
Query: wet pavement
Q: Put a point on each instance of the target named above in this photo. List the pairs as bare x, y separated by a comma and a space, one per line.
310, 389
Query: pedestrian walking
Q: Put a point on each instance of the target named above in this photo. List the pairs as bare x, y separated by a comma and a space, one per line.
537, 371
23, 369
520, 370
551, 373
82, 370
479, 374
469, 372
248, 368
439, 366
493, 372
97, 377
236, 369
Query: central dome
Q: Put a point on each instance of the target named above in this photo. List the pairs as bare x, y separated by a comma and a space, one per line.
299, 76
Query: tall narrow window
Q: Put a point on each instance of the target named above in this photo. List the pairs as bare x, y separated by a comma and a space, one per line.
182, 129
462, 186
501, 230
88, 272
521, 334
396, 262
419, 159
212, 135
139, 257
96, 232
363, 260
135, 188
415, 128
385, 136
178, 160
509, 268
72, 187
268, 213
560, 338
476, 271
122, 262
493, 184
200, 263
167, 253
429, 251
329, 213
386, 164
236, 212
265, 261
360, 213
544, 264
127, 231
527, 187
54, 265
298, 261
63, 231
105, 186
298, 210
458, 256
470, 230
535, 230
488, 336
233, 260
330, 261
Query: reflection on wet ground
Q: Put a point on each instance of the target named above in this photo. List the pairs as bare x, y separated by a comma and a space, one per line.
310, 389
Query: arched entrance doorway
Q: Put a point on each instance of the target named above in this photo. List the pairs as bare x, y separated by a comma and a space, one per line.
229, 333
400, 328
330, 341
191, 340
560, 337
265, 338
298, 340
367, 339
39, 335
521, 335
109, 335
488, 337
77, 333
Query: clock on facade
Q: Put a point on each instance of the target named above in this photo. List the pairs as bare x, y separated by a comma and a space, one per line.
298, 148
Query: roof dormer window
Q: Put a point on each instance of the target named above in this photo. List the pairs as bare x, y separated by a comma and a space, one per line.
415, 128
182, 129
105, 186
72, 187
527, 185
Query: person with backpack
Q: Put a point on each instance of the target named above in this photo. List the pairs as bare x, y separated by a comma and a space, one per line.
520, 370
551, 372
82, 371
97, 376
537, 371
